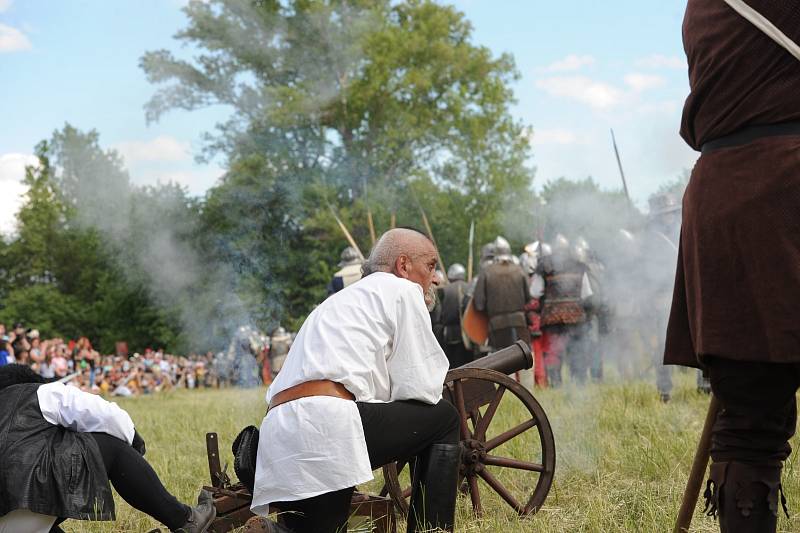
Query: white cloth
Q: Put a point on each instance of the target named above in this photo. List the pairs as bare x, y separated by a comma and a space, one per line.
68, 406
375, 338
23, 520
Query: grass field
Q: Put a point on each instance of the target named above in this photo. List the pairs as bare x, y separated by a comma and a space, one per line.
622, 456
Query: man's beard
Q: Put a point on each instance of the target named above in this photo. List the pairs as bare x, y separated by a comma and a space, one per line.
430, 297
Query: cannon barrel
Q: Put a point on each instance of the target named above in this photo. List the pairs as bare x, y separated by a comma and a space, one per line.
508, 360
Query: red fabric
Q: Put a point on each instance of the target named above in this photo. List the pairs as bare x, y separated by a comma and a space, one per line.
553, 347
539, 374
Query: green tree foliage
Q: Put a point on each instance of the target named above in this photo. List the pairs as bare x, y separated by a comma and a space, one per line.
359, 105
62, 273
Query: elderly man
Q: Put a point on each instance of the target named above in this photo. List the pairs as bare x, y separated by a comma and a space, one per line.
361, 387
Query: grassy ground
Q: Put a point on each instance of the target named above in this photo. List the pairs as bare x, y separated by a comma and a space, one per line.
622, 456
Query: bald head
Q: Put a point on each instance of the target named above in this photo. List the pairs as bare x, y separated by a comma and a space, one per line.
392, 245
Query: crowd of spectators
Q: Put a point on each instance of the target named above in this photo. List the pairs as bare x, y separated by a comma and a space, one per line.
115, 375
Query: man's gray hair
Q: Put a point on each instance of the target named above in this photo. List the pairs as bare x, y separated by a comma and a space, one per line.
389, 247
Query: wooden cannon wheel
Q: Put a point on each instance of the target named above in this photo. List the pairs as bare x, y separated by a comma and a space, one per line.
512, 451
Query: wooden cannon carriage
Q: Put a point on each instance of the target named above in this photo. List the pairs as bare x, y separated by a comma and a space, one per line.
510, 448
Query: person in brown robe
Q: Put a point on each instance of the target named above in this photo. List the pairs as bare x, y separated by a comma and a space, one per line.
736, 303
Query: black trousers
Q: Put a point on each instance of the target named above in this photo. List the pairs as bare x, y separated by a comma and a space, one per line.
393, 431
759, 411
138, 484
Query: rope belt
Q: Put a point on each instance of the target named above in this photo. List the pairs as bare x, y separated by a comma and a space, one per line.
750, 134
319, 387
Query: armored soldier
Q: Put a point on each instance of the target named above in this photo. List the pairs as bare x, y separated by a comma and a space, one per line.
502, 292
349, 270
659, 253
452, 302
624, 299
528, 260
566, 286
279, 345
597, 309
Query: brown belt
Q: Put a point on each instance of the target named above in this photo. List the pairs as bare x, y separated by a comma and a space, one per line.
319, 387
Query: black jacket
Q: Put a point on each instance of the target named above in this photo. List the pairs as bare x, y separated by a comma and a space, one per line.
48, 469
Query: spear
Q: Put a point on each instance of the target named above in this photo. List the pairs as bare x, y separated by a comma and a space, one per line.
619, 164
371, 226
430, 233
471, 245
393, 222
370, 223
347, 235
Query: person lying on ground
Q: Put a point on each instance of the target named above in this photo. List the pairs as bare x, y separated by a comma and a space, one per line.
60, 447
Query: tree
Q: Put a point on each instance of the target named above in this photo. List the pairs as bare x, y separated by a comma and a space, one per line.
361, 105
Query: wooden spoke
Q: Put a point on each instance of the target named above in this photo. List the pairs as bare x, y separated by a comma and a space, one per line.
480, 431
459, 397
500, 489
512, 463
510, 434
475, 416
475, 495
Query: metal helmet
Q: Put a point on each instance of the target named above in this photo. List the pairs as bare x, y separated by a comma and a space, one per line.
561, 243
581, 249
487, 251
487, 255
280, 332
529, 258
456, 272
349, 257
502, 250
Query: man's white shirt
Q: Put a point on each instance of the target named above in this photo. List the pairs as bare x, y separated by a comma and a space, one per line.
375, 338
63, 405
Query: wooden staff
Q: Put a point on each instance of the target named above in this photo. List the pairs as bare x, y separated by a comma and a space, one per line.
393, 222
471, 245
445, 281
371, 226
347, 235
695, 481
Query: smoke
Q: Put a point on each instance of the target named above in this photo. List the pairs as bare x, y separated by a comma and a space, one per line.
153, 233
220, 276
631, 260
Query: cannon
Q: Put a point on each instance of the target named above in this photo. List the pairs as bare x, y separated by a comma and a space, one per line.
507, 445
511, 450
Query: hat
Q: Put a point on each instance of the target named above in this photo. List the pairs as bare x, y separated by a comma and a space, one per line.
33, 334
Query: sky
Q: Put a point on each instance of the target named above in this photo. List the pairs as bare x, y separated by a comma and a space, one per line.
585, 67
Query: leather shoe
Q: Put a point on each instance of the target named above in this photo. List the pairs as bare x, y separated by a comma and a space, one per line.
202, 515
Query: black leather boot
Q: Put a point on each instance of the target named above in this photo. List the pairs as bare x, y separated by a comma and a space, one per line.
433, 498
745, 497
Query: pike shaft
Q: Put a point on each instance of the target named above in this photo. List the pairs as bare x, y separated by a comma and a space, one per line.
346, 233
619, 164
695, 481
